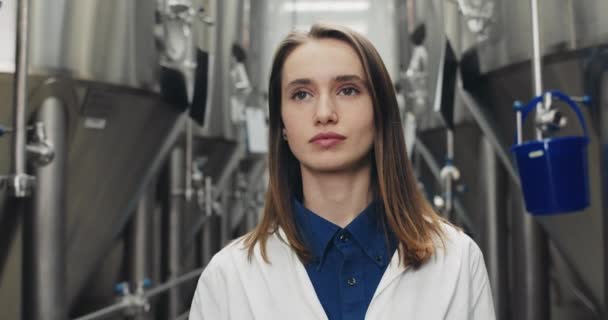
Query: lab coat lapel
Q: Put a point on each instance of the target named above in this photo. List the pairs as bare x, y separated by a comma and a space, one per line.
393, 271
306, 287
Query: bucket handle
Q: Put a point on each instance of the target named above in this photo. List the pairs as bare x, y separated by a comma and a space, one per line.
525, 110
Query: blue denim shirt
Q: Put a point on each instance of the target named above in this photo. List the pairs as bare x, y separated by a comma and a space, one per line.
348, 263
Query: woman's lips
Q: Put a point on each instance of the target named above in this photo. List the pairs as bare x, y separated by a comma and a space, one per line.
327, 142
327, 139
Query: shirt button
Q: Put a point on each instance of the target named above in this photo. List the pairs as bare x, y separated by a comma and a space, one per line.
352, 281
378, 259
343, 237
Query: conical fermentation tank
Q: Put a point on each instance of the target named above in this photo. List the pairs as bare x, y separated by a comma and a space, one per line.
123, 72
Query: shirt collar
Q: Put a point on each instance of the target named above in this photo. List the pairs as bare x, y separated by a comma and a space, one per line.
316, 231
369, 233
366, 229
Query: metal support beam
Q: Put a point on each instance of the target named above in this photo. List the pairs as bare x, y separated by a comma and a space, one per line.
494, 225
20, 87
140, 244
19, 183
530, 261
176, 212
537, 75
44, 233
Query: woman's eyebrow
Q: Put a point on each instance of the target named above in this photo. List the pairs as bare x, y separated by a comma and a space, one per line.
348, 77
339, 78
302, 81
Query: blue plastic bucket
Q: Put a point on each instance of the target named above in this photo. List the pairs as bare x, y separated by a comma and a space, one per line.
553, 171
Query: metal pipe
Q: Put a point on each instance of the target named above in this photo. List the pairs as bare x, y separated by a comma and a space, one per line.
226, 217
450, 143
494, 243
20, 87
534, 242
519, 125
176, 211
449, 180
105, 312
189, 145
173, 283
536, 59
140, 242
530, 259
209, 231
422, 150
44, 231
119, 306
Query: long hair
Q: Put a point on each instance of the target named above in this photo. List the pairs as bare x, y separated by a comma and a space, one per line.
404, 209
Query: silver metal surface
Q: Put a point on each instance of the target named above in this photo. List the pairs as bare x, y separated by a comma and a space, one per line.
176, 214
121, 159
565, 25
531, 256
536, 61
576, 235
530, 260
188, 190
431, 14
273, 19
108, 41
494, 226
40, 150
140, 250
19, 182
433, 166
218, 120
44, 230
178, 38
535, 256
536, 54
226, 215
574, 284
20, 88
173, 283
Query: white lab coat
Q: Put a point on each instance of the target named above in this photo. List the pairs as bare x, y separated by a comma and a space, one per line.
452, 285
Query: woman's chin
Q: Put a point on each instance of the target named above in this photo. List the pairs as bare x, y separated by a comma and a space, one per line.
333, 166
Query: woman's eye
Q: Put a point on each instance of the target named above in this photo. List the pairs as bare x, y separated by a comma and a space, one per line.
300, 95
349, 91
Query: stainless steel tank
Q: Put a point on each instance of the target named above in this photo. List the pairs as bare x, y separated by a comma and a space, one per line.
120, 71
493, 40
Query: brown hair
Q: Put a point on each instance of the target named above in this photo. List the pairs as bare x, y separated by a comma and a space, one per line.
405, 210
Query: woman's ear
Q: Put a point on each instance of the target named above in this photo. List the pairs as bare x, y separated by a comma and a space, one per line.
284, 132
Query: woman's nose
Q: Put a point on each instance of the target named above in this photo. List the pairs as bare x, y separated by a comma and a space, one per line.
325, 110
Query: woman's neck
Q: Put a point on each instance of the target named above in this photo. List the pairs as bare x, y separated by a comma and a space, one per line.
337, 196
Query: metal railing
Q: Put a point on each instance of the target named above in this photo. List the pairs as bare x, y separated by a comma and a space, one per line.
146, 295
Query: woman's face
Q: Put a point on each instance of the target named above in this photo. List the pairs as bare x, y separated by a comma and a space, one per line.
326, 107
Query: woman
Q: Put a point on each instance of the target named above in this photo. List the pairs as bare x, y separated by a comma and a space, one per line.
345, 233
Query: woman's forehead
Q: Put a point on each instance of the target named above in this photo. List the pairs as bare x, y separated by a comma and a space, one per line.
322, 60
